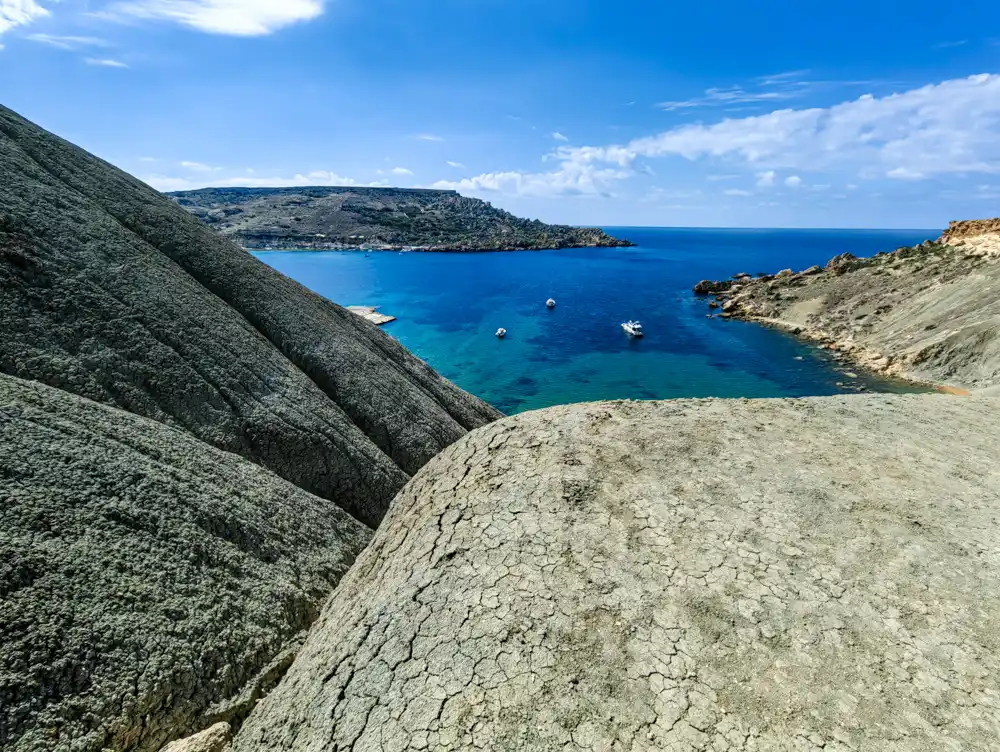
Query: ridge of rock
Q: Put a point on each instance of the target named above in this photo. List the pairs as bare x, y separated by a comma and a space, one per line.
113, 292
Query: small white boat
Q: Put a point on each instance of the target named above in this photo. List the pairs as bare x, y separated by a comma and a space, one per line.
550, 303
501, 333
632, 328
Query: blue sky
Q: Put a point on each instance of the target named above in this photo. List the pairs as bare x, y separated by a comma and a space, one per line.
777, 113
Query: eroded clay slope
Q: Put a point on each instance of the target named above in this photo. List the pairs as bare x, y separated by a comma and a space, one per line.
725, 575
113, 292
149, 584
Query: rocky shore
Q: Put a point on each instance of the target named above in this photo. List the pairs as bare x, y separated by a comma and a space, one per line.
928, 313
376, 219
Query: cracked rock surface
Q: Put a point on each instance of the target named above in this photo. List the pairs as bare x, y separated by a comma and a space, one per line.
692, 575
111, 291
150, 586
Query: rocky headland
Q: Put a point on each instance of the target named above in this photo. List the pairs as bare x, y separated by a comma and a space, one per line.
347, 218
930, 313
195, 452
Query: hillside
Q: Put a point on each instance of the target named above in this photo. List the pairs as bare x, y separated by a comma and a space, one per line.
929, 313
193, 449
114, 293
318, 218
768, 575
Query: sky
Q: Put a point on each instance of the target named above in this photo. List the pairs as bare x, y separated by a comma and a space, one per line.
726, 113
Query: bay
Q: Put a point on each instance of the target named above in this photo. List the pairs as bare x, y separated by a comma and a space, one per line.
449, 306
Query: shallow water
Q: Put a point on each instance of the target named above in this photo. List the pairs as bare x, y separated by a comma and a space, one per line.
450, 305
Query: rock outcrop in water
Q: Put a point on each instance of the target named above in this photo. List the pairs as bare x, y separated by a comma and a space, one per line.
323, 218
113, 292
150, 585
929, 313
689, 575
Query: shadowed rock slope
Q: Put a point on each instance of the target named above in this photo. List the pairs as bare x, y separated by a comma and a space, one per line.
149, 584
726, 575
113, 292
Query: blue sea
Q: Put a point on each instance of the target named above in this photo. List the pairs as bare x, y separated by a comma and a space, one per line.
449, 306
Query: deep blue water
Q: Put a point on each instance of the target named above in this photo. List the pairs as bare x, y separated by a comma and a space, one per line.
450, 305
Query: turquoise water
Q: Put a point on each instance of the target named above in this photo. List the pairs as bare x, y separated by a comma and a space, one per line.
450, 305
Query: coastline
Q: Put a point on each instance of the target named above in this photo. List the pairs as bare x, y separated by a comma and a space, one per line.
920, 314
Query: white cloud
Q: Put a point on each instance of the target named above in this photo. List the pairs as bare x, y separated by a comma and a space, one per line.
946, 45
401, 171
67, 42
316, 177
148, 159
559, 137
233, 17
793, 181
570, 179
737, 192
428, 137
105, 62
904, 173
19, 13
714, 178
947, 128
765, 179
459, 165
197, 167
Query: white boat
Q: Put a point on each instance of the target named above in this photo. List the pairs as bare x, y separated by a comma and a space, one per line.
632, 328
501, 333
550, 303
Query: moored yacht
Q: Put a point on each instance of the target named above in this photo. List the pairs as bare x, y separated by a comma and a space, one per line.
632, 328
501, 333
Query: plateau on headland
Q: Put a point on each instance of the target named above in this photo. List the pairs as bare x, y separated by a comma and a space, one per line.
929, 313
347, 218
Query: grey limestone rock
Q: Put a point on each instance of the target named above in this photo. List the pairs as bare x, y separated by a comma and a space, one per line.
113, 292
150, 585
690, 575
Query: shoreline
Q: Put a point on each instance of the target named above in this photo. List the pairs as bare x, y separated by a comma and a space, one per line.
919, 314
859, 357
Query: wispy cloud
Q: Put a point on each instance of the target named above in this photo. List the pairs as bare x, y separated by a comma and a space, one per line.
947, 45
231, 17
67, 42
730, 95
428, 137
559, 137
401, 171
198, 167
105, 62
459, 165
19, 13
737, 192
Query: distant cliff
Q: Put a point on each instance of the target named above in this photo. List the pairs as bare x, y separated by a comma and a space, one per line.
331, 218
